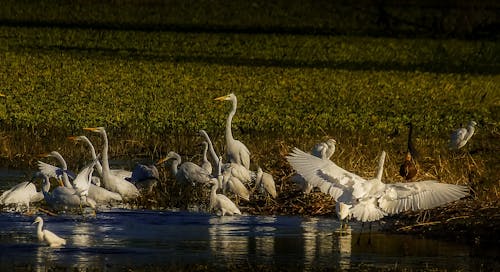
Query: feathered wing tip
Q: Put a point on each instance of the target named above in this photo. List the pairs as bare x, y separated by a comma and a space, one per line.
421, 195
53, 171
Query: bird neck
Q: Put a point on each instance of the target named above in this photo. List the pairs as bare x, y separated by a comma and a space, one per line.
39, 231
105, 162
64, 166
380, 170
210, 147
175, 165
229, 134
470, 132
94, 156
213, 195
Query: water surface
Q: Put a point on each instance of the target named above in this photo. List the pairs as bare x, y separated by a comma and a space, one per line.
119, 239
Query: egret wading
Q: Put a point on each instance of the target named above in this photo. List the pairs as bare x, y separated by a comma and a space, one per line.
47, 236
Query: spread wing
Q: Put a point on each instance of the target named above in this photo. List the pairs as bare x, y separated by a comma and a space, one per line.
419, 195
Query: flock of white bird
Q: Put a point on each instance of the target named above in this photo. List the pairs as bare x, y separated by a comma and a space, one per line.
366, 200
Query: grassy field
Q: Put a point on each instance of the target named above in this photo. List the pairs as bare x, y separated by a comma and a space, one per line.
153, 89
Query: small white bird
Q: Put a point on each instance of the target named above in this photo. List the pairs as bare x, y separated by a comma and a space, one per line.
461, 136
220, 201
325, 149
48, 236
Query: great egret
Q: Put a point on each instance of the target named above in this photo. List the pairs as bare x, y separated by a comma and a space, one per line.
266, 181
220, 201
408, 169
21, 194
112, 182
372, 199
47, 236
461, 136
187, 172
236, 151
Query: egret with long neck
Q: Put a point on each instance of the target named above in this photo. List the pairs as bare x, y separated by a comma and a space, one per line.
236, 151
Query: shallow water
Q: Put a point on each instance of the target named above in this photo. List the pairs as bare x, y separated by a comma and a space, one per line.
116, 239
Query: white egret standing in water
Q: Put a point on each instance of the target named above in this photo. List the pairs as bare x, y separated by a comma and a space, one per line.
47, 236
461, 136
111, 181
220, 201
236, 151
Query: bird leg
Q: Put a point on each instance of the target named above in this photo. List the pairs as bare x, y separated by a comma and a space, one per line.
361, 232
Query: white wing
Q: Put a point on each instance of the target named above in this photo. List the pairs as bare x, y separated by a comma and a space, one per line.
53, 171
324, 174
420, 195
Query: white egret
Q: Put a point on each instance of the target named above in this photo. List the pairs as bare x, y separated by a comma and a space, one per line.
461, 136
112, 182
187, 172
21, 194
220, 201
82, 182
373, 199
236, 151
266, 181
47, 236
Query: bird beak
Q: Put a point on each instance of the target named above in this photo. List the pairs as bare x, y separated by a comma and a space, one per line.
222, 98
93, 129
60, 182
73, 138
44, 155
162, 160
2, 95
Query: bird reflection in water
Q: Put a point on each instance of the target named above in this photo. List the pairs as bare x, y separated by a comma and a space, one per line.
224, 239
264, 242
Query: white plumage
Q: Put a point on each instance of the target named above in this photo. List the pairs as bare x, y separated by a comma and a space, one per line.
461, 136
221, 202
47, 236
372, 199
